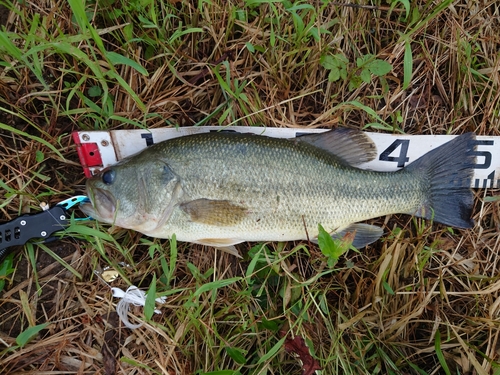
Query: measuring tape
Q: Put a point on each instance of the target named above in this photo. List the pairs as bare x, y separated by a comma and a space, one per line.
101, 149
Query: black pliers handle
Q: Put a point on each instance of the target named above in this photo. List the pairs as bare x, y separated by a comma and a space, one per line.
36, 226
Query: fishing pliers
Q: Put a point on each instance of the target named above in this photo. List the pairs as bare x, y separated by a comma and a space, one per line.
38, 226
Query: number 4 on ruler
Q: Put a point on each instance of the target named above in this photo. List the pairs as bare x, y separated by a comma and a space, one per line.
402, 158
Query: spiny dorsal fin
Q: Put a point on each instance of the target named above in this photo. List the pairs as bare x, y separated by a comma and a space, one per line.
214, 212
352, 146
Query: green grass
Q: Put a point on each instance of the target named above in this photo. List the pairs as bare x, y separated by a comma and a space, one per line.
422, 300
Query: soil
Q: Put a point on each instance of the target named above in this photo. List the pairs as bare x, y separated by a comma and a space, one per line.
4, 14
10, 324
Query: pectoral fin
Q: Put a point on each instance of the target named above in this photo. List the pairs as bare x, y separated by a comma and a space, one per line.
365, 234
214, 212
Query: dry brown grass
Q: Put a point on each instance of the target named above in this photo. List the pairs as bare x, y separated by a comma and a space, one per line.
381, 311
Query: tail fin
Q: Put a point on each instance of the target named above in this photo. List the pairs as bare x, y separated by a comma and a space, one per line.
448, 170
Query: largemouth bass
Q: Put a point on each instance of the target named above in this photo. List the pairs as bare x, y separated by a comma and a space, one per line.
220, 189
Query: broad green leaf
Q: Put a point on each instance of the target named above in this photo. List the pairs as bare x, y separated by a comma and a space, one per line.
250, 47
407, 65
343, 73
28, 334
6, 269
237, 355
341, 58
325, 242
327, 62
315, 33
333, 248
95, 91
415, 16
271, 325
334, 74
365, 76
361, 61
379, 67
165, 268
39, 156
406, 4
387, 288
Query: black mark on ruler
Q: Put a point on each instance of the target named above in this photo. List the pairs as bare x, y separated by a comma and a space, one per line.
491, 177
149, 138
486, 154
402, 158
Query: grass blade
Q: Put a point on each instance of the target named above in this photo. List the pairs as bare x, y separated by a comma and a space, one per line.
149, 306
407, 65
29, 334
439, 353
215, 285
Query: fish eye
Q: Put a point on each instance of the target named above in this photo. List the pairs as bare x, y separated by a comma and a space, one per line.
108, 177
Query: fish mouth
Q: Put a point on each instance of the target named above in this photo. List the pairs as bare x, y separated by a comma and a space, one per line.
102, 205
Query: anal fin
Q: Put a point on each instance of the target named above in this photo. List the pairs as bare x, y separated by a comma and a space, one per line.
222, 244
365, 234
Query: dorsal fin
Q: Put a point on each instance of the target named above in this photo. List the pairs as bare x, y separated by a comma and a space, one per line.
352, 146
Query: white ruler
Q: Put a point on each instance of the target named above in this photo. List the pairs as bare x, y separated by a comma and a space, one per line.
100, 149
